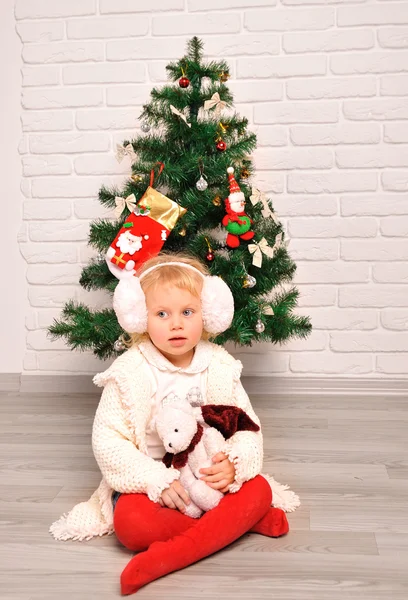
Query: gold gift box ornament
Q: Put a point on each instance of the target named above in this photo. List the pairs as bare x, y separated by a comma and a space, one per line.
159, 207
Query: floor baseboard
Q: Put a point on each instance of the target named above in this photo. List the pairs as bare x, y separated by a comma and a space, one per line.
82, 384
360, 386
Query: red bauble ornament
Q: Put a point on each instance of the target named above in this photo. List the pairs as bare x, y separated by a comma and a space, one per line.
221, 146
210, 256
184, 82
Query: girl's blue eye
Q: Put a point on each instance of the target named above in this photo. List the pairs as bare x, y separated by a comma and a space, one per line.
187, 312
162, 314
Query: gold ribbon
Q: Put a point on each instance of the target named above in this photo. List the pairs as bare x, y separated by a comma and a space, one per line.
122, 151
129, 202
162, 209
268, 310
258, 196
119, 259
257, 249
216, 101
179, 114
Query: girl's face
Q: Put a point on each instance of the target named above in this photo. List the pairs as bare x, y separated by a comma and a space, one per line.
174, 322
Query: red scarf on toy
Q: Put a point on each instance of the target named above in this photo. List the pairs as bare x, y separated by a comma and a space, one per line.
232, 215
180, 459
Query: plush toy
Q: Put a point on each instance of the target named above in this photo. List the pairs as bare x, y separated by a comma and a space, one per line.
190, 446
236, 221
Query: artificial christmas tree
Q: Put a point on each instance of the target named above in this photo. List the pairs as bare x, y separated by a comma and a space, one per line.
188, 126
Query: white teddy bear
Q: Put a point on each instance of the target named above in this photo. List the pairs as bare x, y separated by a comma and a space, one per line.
178, 429
190, 446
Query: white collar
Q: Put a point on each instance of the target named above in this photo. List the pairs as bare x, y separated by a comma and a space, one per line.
201, 359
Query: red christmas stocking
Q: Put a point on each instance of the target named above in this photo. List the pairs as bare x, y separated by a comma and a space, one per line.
145, 230
234, 516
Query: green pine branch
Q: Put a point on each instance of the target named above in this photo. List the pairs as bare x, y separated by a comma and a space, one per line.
96, 276
84, 329
102, 233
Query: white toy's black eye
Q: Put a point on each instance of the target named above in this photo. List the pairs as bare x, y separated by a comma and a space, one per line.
176, 430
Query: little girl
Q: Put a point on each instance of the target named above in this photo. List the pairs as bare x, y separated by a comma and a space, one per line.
170, 310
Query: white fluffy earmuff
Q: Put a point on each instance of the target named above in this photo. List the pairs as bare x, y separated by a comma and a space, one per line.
217, 302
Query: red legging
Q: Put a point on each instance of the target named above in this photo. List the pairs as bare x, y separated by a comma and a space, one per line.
169, 540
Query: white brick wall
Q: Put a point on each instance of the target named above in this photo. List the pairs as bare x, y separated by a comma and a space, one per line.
324, 84
13, 299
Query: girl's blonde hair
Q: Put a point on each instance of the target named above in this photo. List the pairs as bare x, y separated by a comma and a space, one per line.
185, 279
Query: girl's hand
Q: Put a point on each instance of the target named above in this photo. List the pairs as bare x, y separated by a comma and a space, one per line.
175, 497
221, 474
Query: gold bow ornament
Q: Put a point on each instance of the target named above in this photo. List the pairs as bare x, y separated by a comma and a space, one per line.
179, 114
258, 196
129, 202
257, 248
122, 151
216, 101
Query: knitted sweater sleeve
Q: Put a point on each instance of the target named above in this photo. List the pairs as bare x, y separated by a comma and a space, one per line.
244, 448
125, 468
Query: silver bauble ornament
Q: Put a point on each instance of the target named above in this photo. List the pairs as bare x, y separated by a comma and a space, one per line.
201, 184
249, 282
100, 257
145, 127
259, 327
119, 345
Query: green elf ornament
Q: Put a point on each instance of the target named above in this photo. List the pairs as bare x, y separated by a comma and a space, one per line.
236, 221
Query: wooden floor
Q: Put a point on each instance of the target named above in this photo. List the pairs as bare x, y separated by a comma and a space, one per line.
346, 457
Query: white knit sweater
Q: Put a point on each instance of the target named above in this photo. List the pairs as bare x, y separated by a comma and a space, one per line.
119, 440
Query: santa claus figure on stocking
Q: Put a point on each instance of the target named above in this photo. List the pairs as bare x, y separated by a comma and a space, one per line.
236, 221
128, 244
